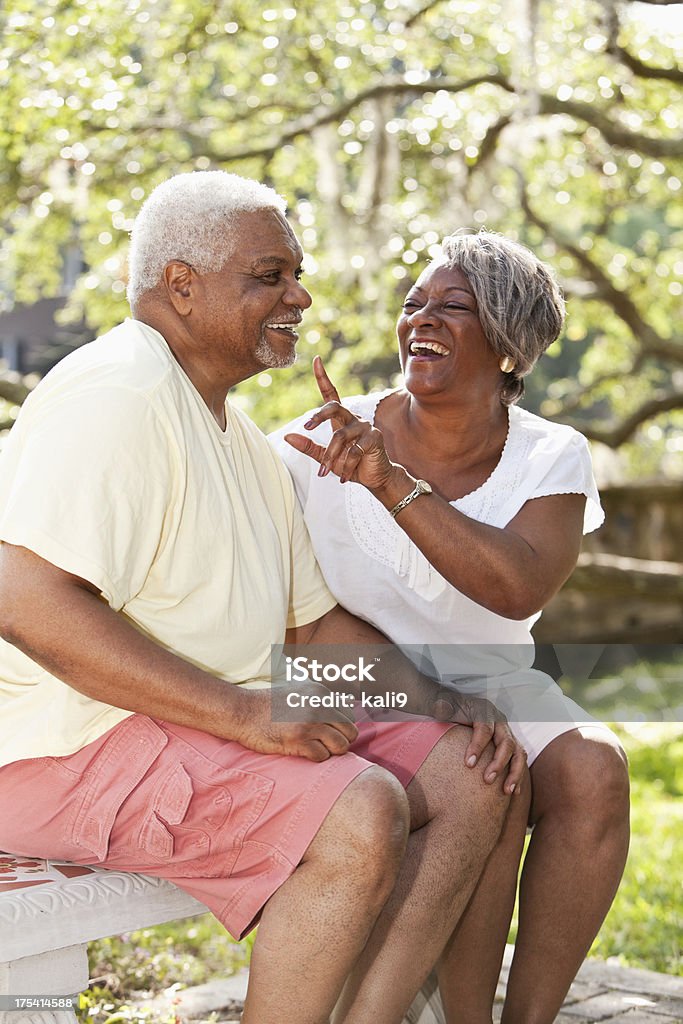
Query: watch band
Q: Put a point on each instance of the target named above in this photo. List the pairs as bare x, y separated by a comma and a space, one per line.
421, 487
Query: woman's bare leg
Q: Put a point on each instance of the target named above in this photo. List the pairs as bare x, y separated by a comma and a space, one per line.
456, 820
469, 968
572, 869
317, 923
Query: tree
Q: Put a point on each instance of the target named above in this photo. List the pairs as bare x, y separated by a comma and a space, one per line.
385, 126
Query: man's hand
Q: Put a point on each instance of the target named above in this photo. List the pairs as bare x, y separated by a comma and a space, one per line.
315, 740
488, 725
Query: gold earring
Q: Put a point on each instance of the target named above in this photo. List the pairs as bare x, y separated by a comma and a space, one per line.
507, 364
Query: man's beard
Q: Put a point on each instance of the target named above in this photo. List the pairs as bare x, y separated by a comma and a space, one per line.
272, 360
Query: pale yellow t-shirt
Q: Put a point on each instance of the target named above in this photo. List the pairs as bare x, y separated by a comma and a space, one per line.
117, 472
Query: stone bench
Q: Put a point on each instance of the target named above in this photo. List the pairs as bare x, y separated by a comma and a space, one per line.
50, 910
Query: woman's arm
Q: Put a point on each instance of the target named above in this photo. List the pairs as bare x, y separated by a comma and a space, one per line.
513, 571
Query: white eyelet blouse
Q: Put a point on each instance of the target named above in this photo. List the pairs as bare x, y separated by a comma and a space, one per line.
375, 570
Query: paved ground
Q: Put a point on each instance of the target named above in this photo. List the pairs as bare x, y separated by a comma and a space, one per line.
603, 992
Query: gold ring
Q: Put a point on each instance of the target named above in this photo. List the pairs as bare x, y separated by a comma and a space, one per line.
360, 447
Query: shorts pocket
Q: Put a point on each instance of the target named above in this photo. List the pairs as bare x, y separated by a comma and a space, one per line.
169, 807
197, 824
111, 777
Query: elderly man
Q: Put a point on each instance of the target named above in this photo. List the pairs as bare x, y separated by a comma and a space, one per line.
152, 552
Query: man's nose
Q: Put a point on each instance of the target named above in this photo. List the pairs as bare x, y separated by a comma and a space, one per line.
299, 296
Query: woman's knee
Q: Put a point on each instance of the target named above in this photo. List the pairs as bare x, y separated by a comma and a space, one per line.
587, 774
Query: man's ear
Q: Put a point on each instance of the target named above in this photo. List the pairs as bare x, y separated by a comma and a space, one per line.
179, 279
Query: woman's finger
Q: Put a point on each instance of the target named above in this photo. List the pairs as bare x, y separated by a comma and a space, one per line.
344, 441
506, 758
354, 453
333, 411
481, 737
325, 385
306, 446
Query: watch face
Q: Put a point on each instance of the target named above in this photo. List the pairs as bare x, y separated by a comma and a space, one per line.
424, 487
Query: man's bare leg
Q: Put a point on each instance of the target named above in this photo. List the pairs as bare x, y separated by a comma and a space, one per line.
572, 869
469, 968
314, 927
455, 819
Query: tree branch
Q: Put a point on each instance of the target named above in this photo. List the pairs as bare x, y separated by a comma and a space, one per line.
650, 341
616, 136
559, 407
317, 118
638, 67
633, 63
616, 435
672, 351
489, 142
420, 12
549, 104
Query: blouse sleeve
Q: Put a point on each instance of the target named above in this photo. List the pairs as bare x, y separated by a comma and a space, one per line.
571, 472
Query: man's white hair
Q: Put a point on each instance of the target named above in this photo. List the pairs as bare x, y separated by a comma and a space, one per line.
189, 218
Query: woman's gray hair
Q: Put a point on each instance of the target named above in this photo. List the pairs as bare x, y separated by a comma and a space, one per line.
519, 302
188, 218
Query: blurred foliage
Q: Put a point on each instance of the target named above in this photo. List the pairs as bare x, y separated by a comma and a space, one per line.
385, 126
629, 685
128, 970
645, 924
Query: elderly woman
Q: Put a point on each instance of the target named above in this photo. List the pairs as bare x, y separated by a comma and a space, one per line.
461, 517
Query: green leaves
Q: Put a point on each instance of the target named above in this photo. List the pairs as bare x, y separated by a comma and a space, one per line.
385, 126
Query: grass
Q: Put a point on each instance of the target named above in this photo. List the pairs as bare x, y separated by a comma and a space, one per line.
645, 925
643, 928
139, 965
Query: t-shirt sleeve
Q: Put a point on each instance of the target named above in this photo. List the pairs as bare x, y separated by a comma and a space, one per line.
85, 483
309, 595
571, 472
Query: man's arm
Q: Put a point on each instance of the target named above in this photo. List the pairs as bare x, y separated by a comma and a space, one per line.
60, 621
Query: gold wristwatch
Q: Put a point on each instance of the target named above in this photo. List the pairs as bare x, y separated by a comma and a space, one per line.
421, 487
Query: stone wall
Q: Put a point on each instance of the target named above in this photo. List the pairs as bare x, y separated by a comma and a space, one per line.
628, 585
641, 521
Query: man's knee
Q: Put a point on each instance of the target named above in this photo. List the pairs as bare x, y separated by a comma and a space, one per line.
367, 828
446, 786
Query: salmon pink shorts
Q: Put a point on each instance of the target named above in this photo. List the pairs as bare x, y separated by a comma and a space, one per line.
224, 823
